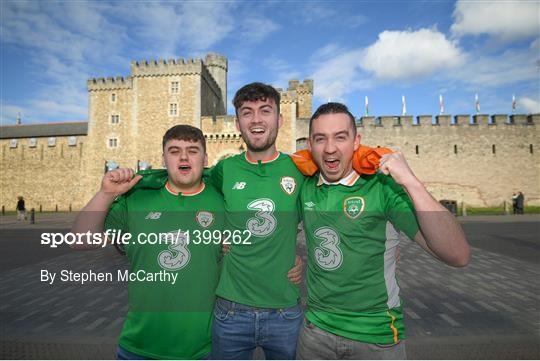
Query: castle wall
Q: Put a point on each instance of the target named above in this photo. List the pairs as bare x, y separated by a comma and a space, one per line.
480, 160
481, 164
44, 175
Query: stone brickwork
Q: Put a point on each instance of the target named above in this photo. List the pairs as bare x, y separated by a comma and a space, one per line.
44, 175
480, 160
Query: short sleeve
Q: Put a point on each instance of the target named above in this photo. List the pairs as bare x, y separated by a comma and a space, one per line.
399, 208
215, 176
117, 216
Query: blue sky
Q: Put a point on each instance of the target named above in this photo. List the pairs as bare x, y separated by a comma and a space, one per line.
351, 49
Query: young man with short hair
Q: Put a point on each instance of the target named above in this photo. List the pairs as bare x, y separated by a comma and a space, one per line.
166, 319
354, 310
257, 304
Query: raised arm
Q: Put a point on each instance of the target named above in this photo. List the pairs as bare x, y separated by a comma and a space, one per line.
440, 233
92, 217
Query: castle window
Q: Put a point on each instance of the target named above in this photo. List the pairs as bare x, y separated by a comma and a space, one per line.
531, 148
455, 149
113, 97
416, 149
174, 87
493, 148
113, 142
173, 109
115, 119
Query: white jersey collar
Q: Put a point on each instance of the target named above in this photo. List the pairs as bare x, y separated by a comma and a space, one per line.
347, 181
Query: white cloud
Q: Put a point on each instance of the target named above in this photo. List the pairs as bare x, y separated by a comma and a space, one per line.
402, 55
337, 75
510, 67
504, 19
256, 28
530, 105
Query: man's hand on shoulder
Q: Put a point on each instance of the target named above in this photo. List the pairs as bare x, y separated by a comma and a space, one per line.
119, 181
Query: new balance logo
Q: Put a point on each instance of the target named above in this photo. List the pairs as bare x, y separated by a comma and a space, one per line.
153, 215
239, 185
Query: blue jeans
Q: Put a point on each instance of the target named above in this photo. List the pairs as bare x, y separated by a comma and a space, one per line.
238, 329
123, 354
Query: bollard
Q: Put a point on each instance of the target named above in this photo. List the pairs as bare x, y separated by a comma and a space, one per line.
3, 210
70, 207
40, 208
463, 209
56, 208
32, 216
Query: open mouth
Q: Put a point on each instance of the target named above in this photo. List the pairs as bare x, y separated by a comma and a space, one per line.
332, 163
184, 168
258, 131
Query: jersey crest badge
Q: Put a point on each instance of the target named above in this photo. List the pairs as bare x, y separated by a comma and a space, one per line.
288, 184
353, 207
205, 219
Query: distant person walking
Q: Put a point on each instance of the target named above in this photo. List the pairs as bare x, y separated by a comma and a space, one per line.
520, 202
514, 203
21, 210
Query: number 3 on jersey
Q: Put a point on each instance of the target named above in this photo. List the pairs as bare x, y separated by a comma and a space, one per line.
328, 255
264, 222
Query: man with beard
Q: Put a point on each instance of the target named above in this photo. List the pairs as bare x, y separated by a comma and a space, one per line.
257, 304
354, 310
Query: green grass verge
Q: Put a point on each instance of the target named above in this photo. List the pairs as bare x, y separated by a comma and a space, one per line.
484, 211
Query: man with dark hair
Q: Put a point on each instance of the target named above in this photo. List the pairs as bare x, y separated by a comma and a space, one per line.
257, 304
256, 91
353, 224
333, 108
185, 132
166, 320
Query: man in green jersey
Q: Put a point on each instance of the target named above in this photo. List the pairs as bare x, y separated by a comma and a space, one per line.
353, 224
257, 304
166, 320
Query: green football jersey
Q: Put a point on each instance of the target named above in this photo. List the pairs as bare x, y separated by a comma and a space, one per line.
262, 198
352, 232
170, 319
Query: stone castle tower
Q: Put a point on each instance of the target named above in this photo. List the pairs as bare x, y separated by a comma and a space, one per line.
127, 117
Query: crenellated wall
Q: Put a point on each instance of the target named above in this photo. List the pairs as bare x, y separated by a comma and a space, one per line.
478, 159
481, 160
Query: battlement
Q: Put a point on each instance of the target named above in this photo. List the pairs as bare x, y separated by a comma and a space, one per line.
109, 83
166, 67
305, 87
449, 120
216, 60
295, 88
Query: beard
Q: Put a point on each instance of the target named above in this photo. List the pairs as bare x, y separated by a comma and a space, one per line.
261, 146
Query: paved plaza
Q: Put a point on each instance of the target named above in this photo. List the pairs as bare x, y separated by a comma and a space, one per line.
490, 309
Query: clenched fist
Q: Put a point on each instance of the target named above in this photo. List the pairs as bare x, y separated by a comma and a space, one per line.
119, 181
395, 165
